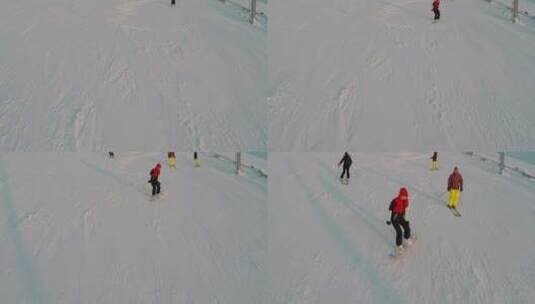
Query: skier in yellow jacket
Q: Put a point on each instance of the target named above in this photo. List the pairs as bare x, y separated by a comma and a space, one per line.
171, 160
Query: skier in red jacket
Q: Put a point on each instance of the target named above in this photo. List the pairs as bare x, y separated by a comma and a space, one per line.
436, 9
455, 187
154, 174
399, 206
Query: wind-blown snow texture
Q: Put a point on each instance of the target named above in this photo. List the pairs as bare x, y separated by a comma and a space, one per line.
77, 228
328, 243
131, 75
379, 75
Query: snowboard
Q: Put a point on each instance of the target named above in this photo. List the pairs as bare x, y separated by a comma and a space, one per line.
156, 197
406, 245
454, 211
344, 181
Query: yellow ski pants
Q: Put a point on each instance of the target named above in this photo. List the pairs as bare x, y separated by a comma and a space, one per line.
454, 198
171, 161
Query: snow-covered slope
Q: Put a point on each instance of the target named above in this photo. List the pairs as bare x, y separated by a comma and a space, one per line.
525, 7
79, 228
520, 162
379, 76
136, 75
328, 243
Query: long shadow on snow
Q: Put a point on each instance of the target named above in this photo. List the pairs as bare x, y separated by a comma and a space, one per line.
25, 263
380, 289
119, 179
371, 220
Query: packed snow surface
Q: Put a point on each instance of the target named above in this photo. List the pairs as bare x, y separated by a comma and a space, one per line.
80, 228
380, 76
136, 75
329, 243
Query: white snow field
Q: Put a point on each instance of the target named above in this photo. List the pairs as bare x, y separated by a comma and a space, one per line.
379, 74
329, 243
80, 228
136, 75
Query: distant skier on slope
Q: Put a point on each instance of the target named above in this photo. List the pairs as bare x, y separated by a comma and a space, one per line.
154, 174
455, 187
436, 9
346, 162
434, 161
172, 2
398, 207
171, 160
196, 160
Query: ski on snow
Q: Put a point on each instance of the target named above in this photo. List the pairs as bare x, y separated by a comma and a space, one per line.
454, 211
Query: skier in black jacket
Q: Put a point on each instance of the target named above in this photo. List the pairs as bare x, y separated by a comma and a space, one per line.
434, 161
346, 164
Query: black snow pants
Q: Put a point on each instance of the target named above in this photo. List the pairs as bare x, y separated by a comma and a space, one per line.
437, 13
155, 187
399, 222
172, 2
345, 171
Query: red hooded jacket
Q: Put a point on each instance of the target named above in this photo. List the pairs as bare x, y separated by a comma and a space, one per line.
400, 203
455, 181
155, 172
436, 4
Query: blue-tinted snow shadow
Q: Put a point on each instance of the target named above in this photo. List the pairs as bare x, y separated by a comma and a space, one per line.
25, 262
